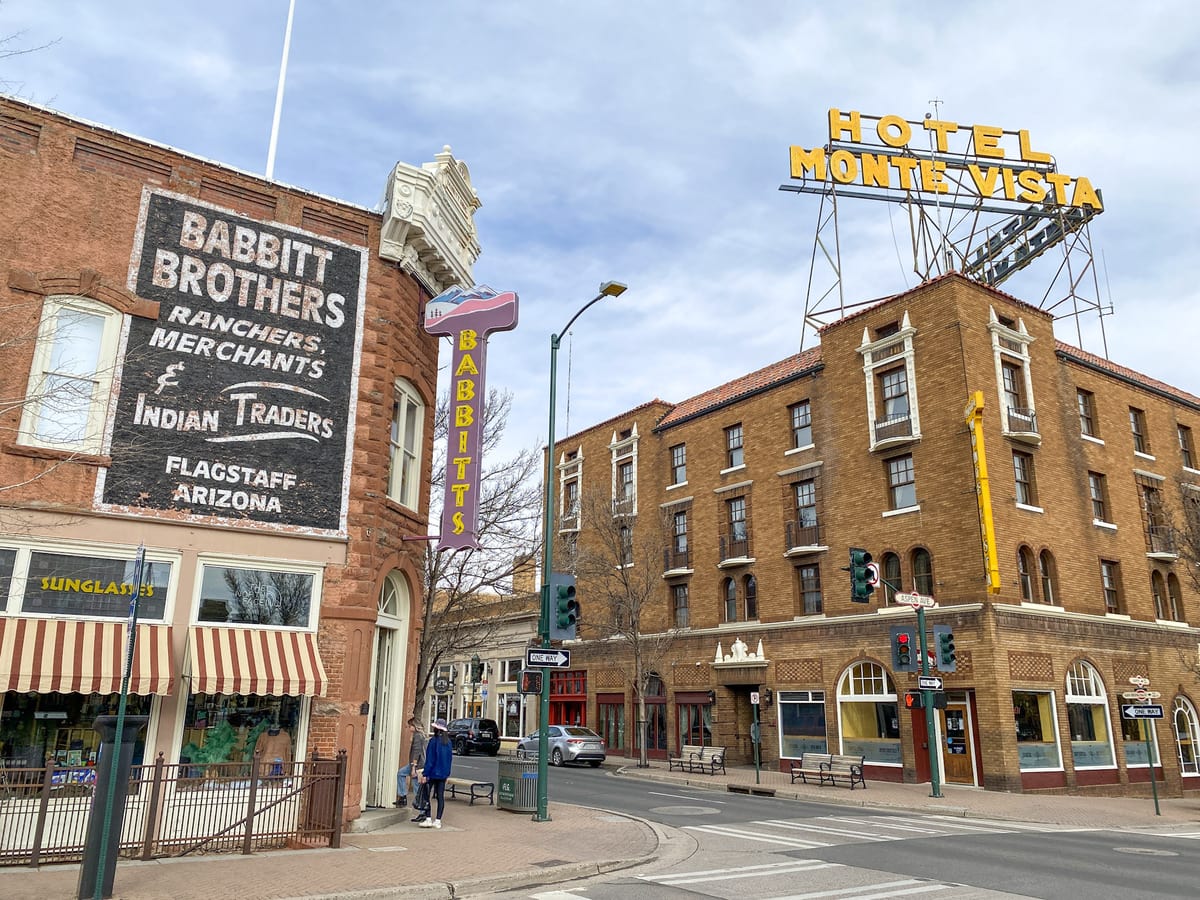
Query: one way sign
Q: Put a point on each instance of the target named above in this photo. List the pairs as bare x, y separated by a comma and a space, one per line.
547, 659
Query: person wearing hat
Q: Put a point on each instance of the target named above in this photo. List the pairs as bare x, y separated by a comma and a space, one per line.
439, 757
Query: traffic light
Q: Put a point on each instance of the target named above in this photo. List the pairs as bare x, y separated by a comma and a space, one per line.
943, 640
531, 681
862, 575
564, 608
913, 700
939, 699
904, 649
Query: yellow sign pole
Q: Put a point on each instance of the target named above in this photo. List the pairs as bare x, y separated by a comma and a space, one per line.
974, 416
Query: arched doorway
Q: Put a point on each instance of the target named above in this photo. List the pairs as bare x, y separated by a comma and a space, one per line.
386, 714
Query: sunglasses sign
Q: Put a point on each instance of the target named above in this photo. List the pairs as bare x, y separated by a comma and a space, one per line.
467, 316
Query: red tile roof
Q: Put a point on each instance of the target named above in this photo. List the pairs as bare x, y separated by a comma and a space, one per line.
1104, 365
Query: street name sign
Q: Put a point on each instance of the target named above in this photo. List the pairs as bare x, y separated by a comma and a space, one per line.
914, 600
929, 682
1140, 694
547, 659
1138, 711
1139, 681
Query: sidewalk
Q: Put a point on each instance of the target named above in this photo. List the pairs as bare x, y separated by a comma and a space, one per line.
478, 848
956, 800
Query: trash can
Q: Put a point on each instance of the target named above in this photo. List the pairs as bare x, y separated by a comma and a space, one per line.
518, 784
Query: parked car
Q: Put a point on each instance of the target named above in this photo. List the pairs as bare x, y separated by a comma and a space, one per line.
566, 743
469, 736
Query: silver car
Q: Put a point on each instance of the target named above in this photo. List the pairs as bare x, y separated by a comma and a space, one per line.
566, 743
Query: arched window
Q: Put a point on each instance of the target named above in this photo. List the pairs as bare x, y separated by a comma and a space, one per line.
1087, 715
750, 586
1175, 597
922, 569
869, 715
1187, 735
1049, 577
1025, 572
729, 591
1158, 590
891, 577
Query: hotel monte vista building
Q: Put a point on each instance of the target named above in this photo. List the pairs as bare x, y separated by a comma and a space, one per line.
762, 485
230, 373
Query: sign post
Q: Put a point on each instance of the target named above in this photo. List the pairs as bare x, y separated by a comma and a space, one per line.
1145, 711
920, 602
754, 734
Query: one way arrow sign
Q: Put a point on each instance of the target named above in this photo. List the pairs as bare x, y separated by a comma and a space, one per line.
547, 659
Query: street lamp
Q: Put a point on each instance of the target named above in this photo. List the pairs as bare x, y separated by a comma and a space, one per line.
607, 289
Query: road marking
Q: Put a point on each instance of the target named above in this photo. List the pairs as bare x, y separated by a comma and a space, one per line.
857, 892
823, 829
701, 796
1006, 825
803, 865
727, 831
558, 895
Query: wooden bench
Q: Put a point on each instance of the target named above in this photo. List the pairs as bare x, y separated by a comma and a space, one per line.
848, 767
476, 790
697, 758
810, 764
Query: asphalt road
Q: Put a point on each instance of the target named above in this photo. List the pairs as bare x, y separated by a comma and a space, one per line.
762, 847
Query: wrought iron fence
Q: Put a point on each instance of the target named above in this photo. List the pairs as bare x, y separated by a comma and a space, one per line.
176, 809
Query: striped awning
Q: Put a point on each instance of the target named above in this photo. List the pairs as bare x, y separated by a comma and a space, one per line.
255, 661
75, 657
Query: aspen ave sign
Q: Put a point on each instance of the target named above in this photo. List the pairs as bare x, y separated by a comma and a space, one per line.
238, 401
467, 316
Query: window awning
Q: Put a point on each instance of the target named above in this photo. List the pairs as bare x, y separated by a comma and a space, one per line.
76, 657
261, 661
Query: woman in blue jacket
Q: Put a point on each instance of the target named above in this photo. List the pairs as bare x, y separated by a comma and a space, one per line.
439, 757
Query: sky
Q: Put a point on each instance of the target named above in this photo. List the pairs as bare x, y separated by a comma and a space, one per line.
645, 142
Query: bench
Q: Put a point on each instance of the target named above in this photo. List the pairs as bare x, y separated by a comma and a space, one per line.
847, 767
697, 758
810, 764
476, 790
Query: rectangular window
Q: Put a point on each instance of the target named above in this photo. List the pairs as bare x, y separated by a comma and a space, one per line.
801, 723
219, 728
8, 559
679, 597
69, 585
1037, 740
512, 724
570, 507
1110, 580
1137, 425
902, 482
256, 597
1026, 486
625, 480
1086, 401
801, 415
736, 509
626, 537
67, 401
404, 446
679, 464
510, 670
1014, 385
695, 724
733, 446
893, 387
611, 713
679, 528
1098, 489
806, 503
1186, 450
810, 589
39, 728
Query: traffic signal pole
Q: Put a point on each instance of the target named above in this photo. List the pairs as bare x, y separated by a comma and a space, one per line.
935, 782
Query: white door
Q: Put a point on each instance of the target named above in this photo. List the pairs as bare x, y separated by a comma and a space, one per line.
387, 693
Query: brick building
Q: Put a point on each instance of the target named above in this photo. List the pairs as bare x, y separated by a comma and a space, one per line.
231, 373
763, 484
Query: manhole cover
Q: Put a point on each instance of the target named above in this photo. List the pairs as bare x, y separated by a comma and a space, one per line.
685, 810
1145, 851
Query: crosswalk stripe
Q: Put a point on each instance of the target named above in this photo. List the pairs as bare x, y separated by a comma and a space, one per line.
805, 826
891, 824
733, 874
909, 885
974, 824
726, 831
763, 867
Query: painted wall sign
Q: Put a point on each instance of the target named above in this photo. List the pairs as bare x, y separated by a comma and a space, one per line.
467, 317
933, 156
238, 402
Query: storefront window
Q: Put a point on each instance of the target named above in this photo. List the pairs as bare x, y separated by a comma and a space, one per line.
512, 723
7, 559
801, 723
611, 713
35, 728
1133, 733
1087, 716
695, 724
66, 584
1187, 735
1037, 742
869, 715
221, 728
255, 597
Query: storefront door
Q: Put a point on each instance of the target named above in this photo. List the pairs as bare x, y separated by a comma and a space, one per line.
958, 749
387, 694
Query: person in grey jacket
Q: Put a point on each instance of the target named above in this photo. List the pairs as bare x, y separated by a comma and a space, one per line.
416, 759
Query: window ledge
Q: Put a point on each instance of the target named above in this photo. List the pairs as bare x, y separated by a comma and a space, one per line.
808, 617
1029, 508
1140, 455
804, 550
1107, 526
902, 511
1162, 555
676, 485
1091, 438
1124, 617
1171, 623
798, 449
892, 443
678, 573
1031, 438
1191, 471
738, 468
1029, 604
75, 456
736, 561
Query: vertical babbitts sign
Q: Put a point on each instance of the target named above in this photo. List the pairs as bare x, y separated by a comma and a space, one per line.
238, 401
467, 316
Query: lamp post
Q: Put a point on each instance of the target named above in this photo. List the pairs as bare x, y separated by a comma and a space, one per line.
607, 289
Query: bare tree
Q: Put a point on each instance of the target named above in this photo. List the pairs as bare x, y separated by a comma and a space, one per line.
624, 598
468, 593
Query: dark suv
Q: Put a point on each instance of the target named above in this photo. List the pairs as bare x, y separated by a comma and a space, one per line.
469, 736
